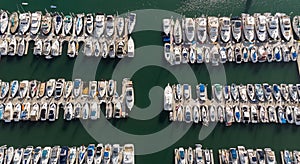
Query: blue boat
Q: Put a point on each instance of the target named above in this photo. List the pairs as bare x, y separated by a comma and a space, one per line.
64, 155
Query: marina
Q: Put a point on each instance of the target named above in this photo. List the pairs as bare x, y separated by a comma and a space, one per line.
93, 153
40, 101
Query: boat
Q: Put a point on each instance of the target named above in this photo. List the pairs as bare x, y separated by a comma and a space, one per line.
296, 155
261, 27
67, 90
297, 115
196, 114
252, 156
4, 89
36, 155
110, 90
254, 114
285, 53
25, 111
98, 154
89, 24
93, 89
167, 23
2, 109
245, 56
199, 158
52, 112
14, 88
189, 29
63, 155
120, 23
245, 114
77, 87
225, 32
238, 55
229, 117
3, 22
68, 113
289, 114
128, 154
3, 47
12, 47
259, 92
293, 94
230, 54
72, 155
50, 87
2, 153
21, 47
97, 48
45, 155
236, 28
79, 24
234, 92
59, 86
190, 155
286, 157
177, 32
272, 26
293, 54
94, 115
253, 54
213, 26
220, 114
296, 26
24, 22
107, 154
223, 55
233, 156
270, 156
167, 52
263, 114
18, 156
14, 22
104, 52
248, 27
81, 154
215, 56
208, 156
102, 89
284, 92
251, 92
27, 155
23, 89
192, 56
204, 114
99, 24
17, 112
41, 90
57, 23
201, 90
179, 113
44, 112
131, 18
243, 154
188, 114
237, 114
178, 92
268, 92
47, 49
90, 154
201, 29
9, 154
120, 49
38, 47
35, 112
55, 48
85, 111
226, 93
185, 54
177, 55
285, 26
35, 22
217, 92
280, 114
270, 57
277, 54
46, 24
77, 110
67, 24
129, 95
111, 50
116, 154
110, 25
186, 91
88, 48
199, 55
109, 110
72, 48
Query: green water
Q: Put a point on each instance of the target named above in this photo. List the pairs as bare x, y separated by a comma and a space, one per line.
72, 133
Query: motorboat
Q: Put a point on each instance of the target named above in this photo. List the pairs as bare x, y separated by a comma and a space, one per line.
243, 93
226, 93
186, 91
12, 47
4, 89
116, 153
8, 112
289, 114
215, 56
199, 158
90, 154
285, 53
237, 114
245, 114
35, 112
110, 25
104, 52
94, 115
284, 92
131, 18
97, 48
17, 112
293, 94
234, 92
50, 88
79, 24
268, 92
213, 28
63, 155
201, 29
72, 44
81, 154
223, 55
225, 31
270, 156
24, 22
85, 111
189, 29
251, 92
52, 112
41, 90
3, 47
230, 54
253, 54
245, 56
18, 155
270, 56
236, 28
27, 155
248, 27
199, 55
14, 22
217, 92
188, 114
67, 90
21, 47
238, 55
47, 49
102, 89
261, 27
297, 115
109, 110
111, 88
204, 114
25, 111
296, 26
99, 24
77, 87
229, 115
55, 49
57, 23
90, 24
190, 155
243, 154
38, 47
185, 54
233, 156
98, 154
220, 114
23, 90
192, 56
35, 22
177, 55
201, 90
263, 114
3, 22
59, 86
46, 24
285, 26
107, 154
67, 24
14, 88
129, 95
44, 111
36, 155
128, 153
89, 48
272, 26
68, 111
45, 155
167, 23
177, 32
272, 114
196, 114
293, 54
277, 54
72, 155
92, 89
259, 92
77, 110
111, 50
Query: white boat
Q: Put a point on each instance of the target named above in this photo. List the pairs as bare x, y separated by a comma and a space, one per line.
261, 156
296, 26
130, 47
199, 54
68, 113
167, 52
225, 31
14, 88
81, 154
27, 156
285, 26
236, 28
293, 94
276, 92
177, 32
263, 114
85, 111
21, 47
129, 95
90, 154
185, 54
168, 98
47, 49
109, 110
277, 54
77, 87
261, 27
293, 54
188, 117
97, 48
204, 114
201, 29
229, 115
24, 21
54, 155
18, 156
77, 110
9, 154
2, 153
177, 55
269, 52
167, 26
14, 22
237, 114
3, 22
131, 18
67, 24
4, 89
252, 156
50, 87
107, 154
110, 25
44, 111
46, 24
55, 48
230, 55
220, 114
251, 92
23, 90
238, 55
217, 92
212, 113
189, 29
35, 22
89, 24
289, 114
38, 47
223, 55
3, 47
254, 114
104, 52
243, 154
89, 48
52, 112
208, 156
248, 27
45, 155
270, 156
128, 154
213, 28
67, 90
190, 155
120, 25
192, 56
284, 92
94, 115
72, 155
72, 48
111, 50
233, 156
297, 115
57, 23
17, 112
102, 89
79, 23
196, 114
199, 158
12, 47
99, 24
63, 155
111, 88
99, 154
272, 26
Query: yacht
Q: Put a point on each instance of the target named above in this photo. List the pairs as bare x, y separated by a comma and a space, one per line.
225, 32
94, 115
204, 114
270, 57
27, 155
109, 110
270, 156
81, 154
263, 114
246, 114
21, 47
90, 154
185, 54
24, 21
272, 114
59, 86
243, 154
79, 24
104, 52
36, 155
201, 29
229, 117
272, 26
248, 27
45, 155
218, 92
120, 23
89, 48
4, 89
35, 22
285, 26
54, 155
233, 156
190, 155
226, 93
77, 110
253, 54
68, 113
77, 87
296, 26
267, 92
245, 55
112, 50
99, 24
188, 114
14, 22
297, 115
72, 155
236, 28
85, 111
230, 54
111, 88
234, 92
46, 24
116, 154
289, 114
261, 27
9, 154
237, 114
55, 48
3, 47
199, 55
293, 54
41, 90
3, 22
57, 23
110, 25
167, 23
14, 88
44, 112
52, 112
243, 93
177, 32
259, 92
201, 89
17, 112
220, 114
89, 24
72, 52
107, 154
18, 156
281, 115
35, 112
285, 53
277, 54
50, 87
93, 89
238, 55
23, 90
12, 47
97, 48
63, 156
251, 92
293, 93
223, 56
252, 156
196, 114
25, 111
102, 89
128, 154
98, 154
38, 47
213, 26
67, 24
180, 113
284, 92
199, 154
129, 95
189, 29
47, 49
131, 22
192, 56
177, 55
